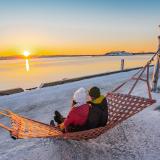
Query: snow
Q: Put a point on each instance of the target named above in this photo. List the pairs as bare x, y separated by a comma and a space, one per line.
136, 138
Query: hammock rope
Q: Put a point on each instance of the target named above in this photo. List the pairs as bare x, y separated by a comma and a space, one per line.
121, 107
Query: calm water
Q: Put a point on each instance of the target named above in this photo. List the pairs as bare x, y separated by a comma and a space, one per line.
32, 72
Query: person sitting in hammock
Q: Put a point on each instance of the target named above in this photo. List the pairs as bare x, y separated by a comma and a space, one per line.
78, 115
98, 115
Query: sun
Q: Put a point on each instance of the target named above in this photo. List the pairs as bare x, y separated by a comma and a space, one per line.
26, 53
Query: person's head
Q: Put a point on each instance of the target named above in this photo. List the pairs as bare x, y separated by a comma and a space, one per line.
80, 97
94, 92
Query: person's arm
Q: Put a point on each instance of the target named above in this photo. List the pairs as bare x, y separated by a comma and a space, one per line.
73, 103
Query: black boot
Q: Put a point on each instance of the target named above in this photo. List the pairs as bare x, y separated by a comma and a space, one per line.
58, 117
52, 123
14, 138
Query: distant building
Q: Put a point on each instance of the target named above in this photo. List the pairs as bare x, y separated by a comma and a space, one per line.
118, 53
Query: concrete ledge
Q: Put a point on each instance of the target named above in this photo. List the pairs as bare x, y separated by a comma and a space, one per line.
29, 89
85, 77
11, 91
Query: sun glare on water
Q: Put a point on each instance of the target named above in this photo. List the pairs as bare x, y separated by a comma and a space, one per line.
26, 53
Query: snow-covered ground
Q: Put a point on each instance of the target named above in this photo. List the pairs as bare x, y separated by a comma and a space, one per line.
136, 138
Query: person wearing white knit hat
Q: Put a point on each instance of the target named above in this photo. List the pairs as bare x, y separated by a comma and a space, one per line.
78, 115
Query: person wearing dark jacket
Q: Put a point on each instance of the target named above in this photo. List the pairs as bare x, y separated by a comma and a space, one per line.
77, 116
98, 114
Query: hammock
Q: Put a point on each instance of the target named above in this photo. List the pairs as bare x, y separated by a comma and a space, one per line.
121, 107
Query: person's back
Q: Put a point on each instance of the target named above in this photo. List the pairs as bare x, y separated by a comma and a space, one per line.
77, 116
98, 114
94, 117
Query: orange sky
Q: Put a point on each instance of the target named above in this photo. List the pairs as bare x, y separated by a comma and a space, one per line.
78, 27
81, 48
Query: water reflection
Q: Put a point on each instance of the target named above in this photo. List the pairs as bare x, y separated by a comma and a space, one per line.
27, 65
29, 73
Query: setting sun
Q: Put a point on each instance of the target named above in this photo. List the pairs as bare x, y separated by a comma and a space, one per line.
26, 53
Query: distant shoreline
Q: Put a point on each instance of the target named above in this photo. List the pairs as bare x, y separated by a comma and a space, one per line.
54, 56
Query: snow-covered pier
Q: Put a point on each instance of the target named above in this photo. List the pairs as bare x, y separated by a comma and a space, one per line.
136, 138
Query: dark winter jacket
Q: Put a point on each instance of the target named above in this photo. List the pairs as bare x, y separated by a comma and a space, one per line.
98, 113
76, 119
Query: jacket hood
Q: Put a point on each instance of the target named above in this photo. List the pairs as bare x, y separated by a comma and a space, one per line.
98, 100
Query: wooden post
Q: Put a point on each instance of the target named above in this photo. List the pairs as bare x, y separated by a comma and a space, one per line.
156, 70
122, 64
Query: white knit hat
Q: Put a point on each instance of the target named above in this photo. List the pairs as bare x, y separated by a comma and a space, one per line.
80, 97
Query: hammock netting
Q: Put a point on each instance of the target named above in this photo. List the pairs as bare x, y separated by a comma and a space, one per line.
120, 106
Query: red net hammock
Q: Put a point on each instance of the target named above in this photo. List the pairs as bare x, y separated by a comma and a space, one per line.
121, 107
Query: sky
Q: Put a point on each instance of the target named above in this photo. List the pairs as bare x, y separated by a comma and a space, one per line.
53, 27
